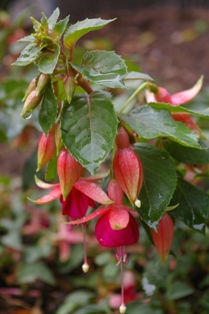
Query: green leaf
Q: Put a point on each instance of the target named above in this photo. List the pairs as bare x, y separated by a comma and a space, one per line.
159, 182
180, 109
103, 67
89, 127
28, 38
48, 61
187, 155
152, 123
53, 19
81, 28
48, 111
142, 308
75, 300
193, 207
29, 54
60, 27
137, 76
178, 289
28, 273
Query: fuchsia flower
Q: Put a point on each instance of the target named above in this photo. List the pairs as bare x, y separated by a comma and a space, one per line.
163, 238
116, 227
128, 168
177, 99
46, 149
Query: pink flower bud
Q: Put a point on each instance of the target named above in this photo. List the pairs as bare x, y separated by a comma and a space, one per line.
69, 171
42, 81
128, 172
122, 139
46, 149
163, 238
115, 192
30, 104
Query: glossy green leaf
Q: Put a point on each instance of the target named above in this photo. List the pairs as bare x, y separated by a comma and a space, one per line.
29, 54
28, 38
60, 27
48, 61
152, 123
193, 208
180, 109
89, 127
187, 155
159, 182
48, 111
81, 28
103, 67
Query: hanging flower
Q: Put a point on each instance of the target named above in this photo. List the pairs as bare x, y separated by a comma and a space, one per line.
128, 168
116, 228
177, 99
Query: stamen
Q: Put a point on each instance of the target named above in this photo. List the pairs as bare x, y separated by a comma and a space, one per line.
121, 257
85, 265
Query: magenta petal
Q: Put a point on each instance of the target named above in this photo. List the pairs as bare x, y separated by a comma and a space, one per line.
51, 196
75, 205
93, 191
187, 95
108, 237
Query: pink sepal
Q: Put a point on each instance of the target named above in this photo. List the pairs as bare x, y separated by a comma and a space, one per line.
118, 218
51, 196
44, 185
99, 212
187, 95
93, 191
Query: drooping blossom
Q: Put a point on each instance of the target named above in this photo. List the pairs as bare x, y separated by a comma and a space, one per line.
128, 168
177, 99
163, 237
116, 228
46, 149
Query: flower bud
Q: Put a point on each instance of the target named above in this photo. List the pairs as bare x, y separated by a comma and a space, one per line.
42, 81
46, 149
122, 139
69, 87
128, 172
115, 192
30, 88
163, 238
69, 171
30, 104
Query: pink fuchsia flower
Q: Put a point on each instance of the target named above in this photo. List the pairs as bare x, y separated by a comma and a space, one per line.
87, 191
177, 99
163, 238
116, 227
162, 95
128, 168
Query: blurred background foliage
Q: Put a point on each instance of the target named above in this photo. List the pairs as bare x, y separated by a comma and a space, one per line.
40, 258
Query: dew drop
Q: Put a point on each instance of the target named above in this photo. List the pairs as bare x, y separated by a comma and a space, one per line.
27, 115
